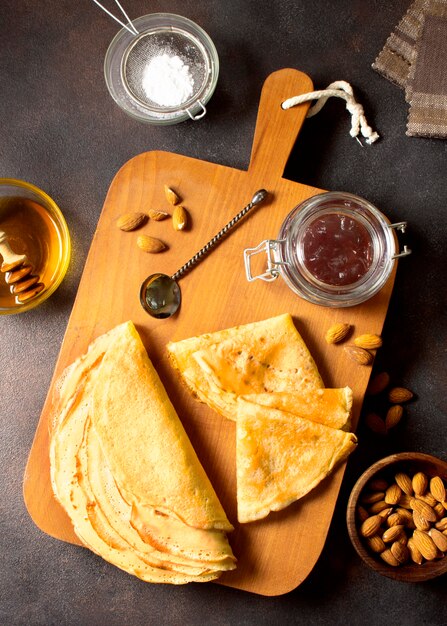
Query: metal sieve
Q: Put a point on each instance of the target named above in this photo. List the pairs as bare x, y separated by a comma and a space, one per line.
175, 43
144, 39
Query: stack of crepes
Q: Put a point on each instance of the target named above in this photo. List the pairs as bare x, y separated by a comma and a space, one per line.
126, 473
290, 431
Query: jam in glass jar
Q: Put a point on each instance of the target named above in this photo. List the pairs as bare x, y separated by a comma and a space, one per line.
334, 249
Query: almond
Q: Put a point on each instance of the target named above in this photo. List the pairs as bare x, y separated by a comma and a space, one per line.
442, 524
373, 496
428, 499
389, 558
171, 196
368, 341
420, 483
405, 501
362, 514
404, 482
393, 533
378, 507
425, 544
370, 526
393, 494
360, 355
439, 510
157, 216
385, 513
179, 218
406, 516
375, 423
395, 519
424, 510
420, 522
400, 552
415, 553
337, 332
131, 221
375, 543
378, 484
398, 395
439, 539
378, 384
394, 415
150, 244
437, 489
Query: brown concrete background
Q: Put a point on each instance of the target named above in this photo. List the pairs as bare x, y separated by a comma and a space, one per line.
60, 130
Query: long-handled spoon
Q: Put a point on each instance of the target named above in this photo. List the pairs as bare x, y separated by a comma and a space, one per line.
160, 295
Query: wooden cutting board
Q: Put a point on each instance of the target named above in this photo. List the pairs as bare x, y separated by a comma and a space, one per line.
276, 554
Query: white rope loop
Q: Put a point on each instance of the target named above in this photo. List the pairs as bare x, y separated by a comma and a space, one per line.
337, 89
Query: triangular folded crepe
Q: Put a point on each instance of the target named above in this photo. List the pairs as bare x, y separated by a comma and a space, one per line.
113, 439
331, 407
280, 457
265, 356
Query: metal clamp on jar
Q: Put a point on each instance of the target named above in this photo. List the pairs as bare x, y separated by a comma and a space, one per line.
334, 249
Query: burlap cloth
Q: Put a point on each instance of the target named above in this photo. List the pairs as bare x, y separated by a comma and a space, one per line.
415, 58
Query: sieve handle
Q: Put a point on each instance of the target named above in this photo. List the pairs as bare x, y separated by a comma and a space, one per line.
129, 26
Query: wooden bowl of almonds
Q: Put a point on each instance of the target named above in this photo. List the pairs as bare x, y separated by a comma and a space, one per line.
397, 516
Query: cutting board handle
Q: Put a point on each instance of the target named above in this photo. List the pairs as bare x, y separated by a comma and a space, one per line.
277, 129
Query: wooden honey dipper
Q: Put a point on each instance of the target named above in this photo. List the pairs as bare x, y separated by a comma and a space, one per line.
18, 272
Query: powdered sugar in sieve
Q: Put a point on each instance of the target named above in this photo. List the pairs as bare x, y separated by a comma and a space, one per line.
165, 69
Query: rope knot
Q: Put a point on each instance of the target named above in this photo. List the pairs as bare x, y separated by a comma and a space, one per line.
337, 89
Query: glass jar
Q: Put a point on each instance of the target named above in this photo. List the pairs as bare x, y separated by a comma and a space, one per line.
334, 249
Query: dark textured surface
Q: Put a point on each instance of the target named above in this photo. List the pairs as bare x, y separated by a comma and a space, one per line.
61, 131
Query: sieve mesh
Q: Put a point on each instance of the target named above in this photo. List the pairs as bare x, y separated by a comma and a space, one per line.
174, 43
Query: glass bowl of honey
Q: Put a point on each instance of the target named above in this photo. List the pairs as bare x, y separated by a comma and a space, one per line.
334, 249
35, 246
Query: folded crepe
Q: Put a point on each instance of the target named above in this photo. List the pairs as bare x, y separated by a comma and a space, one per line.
266, 356
126, 473
280, 457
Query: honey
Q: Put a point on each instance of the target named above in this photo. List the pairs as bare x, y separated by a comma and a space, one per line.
30, 230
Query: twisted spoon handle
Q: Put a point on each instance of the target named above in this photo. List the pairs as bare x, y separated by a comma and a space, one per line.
259, 197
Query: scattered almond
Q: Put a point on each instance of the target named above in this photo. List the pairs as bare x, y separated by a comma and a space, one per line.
378, 384
179, 218
368, 341
428, 498
157, 216
150, 244
393, 415
360, 355
437, 489
420, 522
394, 519
373, 496
378, 507
442, 524
385, 513
171, 196
337, 333
131, 221
398, 395
362, 514
375, 423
